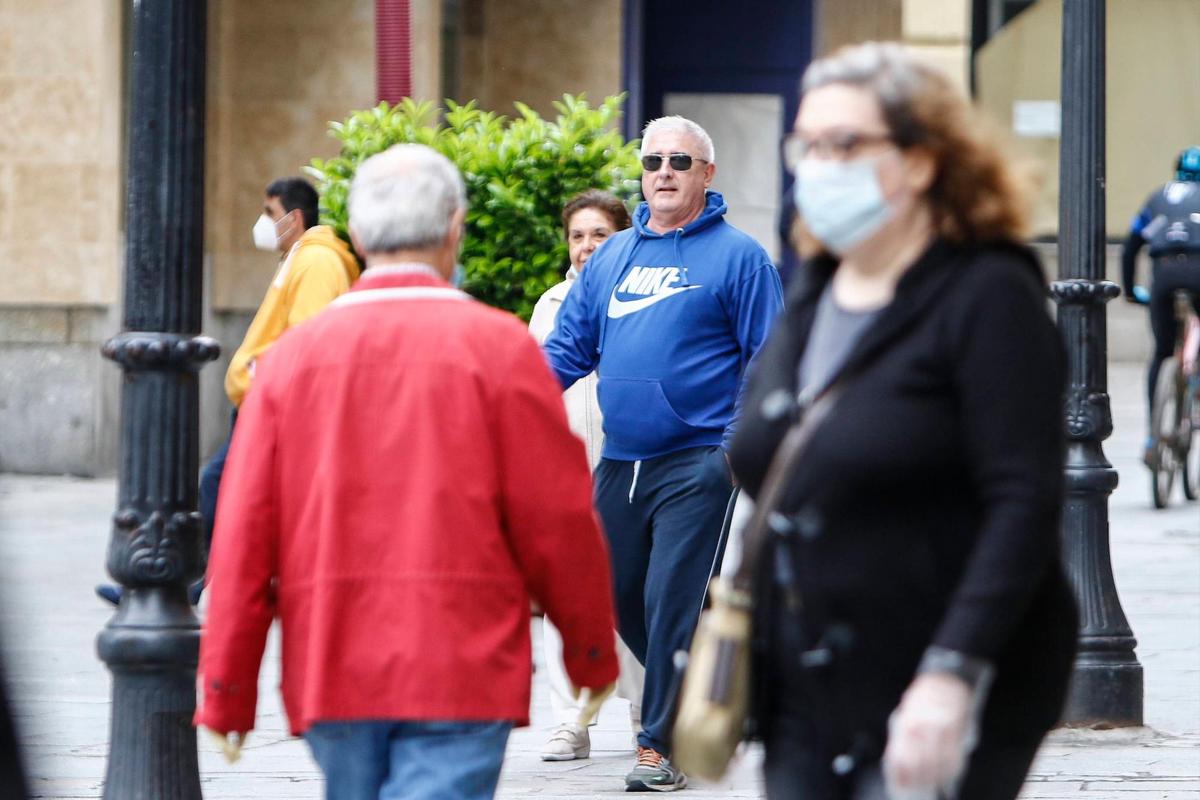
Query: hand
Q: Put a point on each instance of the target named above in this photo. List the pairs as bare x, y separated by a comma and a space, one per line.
929, 735
230, 744
592, 699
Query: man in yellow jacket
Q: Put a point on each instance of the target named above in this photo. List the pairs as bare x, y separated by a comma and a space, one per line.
315, 267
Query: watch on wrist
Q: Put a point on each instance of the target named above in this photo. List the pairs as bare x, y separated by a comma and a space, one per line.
975, 672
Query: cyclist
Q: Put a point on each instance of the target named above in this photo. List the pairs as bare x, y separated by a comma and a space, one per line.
1169, 223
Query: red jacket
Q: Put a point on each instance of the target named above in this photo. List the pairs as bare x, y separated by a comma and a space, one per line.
401, 482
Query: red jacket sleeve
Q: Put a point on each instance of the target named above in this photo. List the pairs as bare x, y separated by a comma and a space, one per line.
241, 568
548, 515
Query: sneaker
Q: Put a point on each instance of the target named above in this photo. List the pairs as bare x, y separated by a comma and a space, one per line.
106, 591
567, 743
654, 773
110, 593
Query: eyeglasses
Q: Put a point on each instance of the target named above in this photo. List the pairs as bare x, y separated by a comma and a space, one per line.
839, 146
680, 162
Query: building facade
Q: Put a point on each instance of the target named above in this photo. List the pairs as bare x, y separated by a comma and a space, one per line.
279, 72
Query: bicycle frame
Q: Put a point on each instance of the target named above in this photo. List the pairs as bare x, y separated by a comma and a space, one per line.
1189, 342
1175, 411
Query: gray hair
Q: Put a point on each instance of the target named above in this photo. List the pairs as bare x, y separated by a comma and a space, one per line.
404, 199
888, 71
683, 125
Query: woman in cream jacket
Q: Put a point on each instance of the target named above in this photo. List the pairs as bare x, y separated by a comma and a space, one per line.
588, 220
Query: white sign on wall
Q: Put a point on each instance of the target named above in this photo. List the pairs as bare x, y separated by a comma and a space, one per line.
1037, 118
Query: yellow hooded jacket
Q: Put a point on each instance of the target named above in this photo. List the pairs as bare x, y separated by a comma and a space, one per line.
317, 269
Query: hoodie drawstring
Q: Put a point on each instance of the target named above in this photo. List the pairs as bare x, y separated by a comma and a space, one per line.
637, 468
679, 256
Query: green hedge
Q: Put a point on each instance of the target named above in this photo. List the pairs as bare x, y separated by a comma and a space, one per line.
518, 172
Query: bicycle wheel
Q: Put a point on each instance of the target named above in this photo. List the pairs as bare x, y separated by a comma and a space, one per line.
1163, 423
1189, 440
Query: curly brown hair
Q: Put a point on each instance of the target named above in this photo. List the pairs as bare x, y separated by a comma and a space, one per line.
604, 202
981, 189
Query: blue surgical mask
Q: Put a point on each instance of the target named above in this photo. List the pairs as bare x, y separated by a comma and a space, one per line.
458, 275
840, 202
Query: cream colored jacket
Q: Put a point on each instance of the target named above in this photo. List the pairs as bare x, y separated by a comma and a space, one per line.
583, 408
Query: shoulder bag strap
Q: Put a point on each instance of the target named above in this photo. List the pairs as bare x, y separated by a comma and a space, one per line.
787, 456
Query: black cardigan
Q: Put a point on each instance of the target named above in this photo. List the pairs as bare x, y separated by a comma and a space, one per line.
928, 503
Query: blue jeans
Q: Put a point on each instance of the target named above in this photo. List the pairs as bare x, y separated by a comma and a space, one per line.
382, 760
210, 485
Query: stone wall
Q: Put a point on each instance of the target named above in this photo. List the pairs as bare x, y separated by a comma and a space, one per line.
60, 151
537, 50
60, 242
278, 73
1152, 95
58, 398
841, 22
936, 29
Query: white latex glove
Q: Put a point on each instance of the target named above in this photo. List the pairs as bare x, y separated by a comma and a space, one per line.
591, 700
930, 735
230, 744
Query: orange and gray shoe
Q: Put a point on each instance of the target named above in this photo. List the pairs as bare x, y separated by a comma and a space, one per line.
654, 773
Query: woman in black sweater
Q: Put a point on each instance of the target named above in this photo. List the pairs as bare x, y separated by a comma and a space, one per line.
919, 577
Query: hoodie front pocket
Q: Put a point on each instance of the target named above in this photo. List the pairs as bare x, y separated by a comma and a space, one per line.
637, 414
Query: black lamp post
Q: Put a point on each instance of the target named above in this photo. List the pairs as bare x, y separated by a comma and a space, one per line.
152, 642
1106, 687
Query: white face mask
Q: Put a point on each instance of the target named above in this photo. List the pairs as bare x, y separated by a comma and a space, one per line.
265, 237
841, 202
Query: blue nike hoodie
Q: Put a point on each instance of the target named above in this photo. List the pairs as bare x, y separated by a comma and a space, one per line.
671, 323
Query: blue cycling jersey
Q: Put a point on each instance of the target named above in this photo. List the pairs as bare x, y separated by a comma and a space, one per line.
1170, 219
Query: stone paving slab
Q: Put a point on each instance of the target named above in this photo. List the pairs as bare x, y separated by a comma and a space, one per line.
54, 531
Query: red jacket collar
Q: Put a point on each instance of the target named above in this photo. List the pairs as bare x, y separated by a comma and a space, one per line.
399, 275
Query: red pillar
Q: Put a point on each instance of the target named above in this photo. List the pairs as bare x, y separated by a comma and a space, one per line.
393, 50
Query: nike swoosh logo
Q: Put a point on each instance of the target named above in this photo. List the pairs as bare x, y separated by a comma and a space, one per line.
623, 308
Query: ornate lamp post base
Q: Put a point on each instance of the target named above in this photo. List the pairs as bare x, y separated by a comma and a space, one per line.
153, 752
1106, 691
1106, 687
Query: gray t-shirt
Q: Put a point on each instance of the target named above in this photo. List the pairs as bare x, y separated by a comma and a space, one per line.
834, 333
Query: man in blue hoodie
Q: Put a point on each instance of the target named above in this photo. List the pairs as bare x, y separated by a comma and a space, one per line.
669, 313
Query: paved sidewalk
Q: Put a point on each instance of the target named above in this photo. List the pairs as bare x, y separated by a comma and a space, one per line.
53, 534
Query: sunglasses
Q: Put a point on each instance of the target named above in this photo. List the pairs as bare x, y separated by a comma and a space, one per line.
680, 162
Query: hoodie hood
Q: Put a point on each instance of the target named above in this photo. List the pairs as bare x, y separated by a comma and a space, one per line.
324, 236
714, 210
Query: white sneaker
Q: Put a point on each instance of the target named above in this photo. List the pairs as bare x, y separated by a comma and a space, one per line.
567, 743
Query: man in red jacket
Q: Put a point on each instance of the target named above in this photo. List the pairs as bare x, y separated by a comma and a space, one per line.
401, 483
